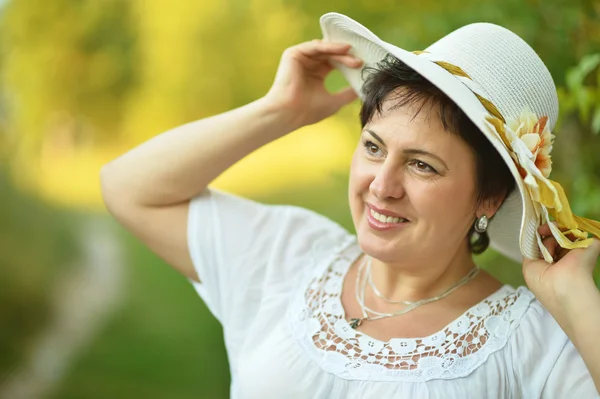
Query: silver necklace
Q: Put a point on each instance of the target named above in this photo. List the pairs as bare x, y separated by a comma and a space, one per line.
360, 297
379, 294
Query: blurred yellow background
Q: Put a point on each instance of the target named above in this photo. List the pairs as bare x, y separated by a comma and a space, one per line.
85, 310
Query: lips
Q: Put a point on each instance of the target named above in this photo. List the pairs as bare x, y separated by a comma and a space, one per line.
386, 213
385, 221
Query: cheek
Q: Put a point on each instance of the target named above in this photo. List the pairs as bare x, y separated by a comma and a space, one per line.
360, 175
358, 186
447, 205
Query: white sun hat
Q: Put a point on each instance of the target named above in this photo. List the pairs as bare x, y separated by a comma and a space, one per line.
505, 89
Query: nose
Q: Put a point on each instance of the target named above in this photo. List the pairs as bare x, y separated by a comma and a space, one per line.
388, 183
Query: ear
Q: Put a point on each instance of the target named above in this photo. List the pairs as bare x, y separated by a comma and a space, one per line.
490, 206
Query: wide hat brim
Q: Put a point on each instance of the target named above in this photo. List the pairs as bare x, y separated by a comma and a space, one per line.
512, 230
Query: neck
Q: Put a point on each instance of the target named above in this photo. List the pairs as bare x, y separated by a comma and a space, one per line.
420, 278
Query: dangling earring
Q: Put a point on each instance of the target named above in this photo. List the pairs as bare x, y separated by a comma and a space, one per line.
481, 224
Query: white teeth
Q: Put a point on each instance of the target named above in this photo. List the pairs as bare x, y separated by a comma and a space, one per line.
386, 219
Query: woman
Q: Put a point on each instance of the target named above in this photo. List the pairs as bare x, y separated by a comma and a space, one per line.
454, 154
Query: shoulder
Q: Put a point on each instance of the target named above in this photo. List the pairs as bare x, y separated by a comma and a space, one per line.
314, 227
519, 328
286, 237
529, 319
215, 199
538, 340
305, 238
235, 215
545, 361
523, 334
537, 321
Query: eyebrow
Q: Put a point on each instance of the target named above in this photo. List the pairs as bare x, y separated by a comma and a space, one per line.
408, 150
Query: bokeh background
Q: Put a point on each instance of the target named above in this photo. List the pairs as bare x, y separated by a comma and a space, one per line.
86, 311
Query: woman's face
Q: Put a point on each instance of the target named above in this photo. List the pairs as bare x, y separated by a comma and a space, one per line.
418, 176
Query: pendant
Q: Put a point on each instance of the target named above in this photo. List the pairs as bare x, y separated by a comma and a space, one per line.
355, 323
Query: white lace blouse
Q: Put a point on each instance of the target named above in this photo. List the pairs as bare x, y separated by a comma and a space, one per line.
272, 275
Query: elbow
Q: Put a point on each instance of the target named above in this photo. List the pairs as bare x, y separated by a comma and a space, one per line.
105, 187
109, 190
118, 196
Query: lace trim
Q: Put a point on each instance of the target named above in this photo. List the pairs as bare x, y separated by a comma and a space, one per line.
319, 326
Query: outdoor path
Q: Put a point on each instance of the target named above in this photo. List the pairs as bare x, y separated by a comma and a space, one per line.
82, 303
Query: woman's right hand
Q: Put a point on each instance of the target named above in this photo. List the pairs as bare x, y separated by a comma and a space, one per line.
299, 86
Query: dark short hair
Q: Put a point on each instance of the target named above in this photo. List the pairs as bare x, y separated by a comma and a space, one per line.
392, 77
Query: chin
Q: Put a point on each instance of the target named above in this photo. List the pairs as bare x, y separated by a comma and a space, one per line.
383, 248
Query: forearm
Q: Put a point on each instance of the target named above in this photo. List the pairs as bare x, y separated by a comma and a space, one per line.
178, 164
579, 317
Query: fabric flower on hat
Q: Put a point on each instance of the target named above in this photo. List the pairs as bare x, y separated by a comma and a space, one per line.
529, 143
535, 134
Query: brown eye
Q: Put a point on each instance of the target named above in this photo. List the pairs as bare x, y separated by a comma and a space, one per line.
372, 148
423, 167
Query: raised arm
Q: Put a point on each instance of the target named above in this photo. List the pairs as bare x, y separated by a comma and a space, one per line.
148, 188
567, 290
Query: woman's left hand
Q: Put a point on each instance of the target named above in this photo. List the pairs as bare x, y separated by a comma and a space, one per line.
557, 282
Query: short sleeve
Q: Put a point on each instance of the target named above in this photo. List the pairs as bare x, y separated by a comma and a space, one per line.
569, 378
243, 250
549, 366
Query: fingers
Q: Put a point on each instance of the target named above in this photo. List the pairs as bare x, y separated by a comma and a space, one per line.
316, 47
347, 60
548, 240
345, 96
319, 51
552, 246
558, 252
544, 230
595, 248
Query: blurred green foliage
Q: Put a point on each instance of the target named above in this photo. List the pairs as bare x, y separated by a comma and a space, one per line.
37, 246
129, 69
581, 97
162, 342
65, 56
578, 139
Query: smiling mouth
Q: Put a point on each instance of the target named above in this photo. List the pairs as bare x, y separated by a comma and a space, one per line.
386, 219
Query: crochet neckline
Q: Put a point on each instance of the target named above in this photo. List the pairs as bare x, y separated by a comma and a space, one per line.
500, 292
318, 322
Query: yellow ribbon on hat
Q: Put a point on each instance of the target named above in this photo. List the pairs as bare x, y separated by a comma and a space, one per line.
458, 71
529, 143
